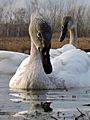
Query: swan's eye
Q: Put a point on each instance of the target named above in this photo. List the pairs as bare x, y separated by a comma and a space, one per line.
62, 26
39, 35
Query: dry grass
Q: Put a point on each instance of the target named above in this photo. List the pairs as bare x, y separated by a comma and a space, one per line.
23, 44
83, 43
15, 44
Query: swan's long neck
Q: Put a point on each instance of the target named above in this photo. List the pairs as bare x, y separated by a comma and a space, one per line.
35, 59
37, 75
34, 52
73, 36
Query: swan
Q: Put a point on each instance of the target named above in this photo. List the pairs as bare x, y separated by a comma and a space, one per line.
68, 70
69, 24
73, 39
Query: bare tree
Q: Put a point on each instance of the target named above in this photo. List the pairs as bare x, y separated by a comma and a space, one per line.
8, 16
20, 21
32, 6
15, 22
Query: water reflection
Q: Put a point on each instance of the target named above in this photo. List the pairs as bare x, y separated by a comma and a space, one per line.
40, 106
66, 104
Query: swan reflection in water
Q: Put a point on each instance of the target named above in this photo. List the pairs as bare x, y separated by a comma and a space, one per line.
40, 106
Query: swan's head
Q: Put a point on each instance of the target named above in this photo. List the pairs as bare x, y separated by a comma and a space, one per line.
68, 23
40, 32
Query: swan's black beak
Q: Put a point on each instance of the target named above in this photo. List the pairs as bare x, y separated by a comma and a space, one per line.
63, 34
45, 57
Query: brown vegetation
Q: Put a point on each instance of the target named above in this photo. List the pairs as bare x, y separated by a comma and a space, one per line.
15, 44
83, 42
23, 44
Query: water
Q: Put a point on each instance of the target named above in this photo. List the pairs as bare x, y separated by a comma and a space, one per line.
73, 104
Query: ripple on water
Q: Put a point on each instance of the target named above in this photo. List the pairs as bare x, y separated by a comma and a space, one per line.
21, 104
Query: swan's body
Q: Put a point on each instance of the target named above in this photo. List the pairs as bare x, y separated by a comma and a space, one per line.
30, 75
70, 69
10, 61
74, 68
56, 52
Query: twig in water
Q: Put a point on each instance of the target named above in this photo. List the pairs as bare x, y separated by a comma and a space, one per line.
54, 118
81, 115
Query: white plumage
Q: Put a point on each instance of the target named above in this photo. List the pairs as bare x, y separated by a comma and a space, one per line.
10, 61
56, 52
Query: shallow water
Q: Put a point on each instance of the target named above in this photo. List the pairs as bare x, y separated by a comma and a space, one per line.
67, 105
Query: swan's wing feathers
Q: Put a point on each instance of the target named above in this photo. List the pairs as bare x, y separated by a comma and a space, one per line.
9, 61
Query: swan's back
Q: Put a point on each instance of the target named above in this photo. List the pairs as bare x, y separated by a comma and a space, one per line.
10, 61
56, 52
73, 67
77, 60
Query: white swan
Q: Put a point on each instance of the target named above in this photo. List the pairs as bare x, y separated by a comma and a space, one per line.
70, 69
69, 24
73, 39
